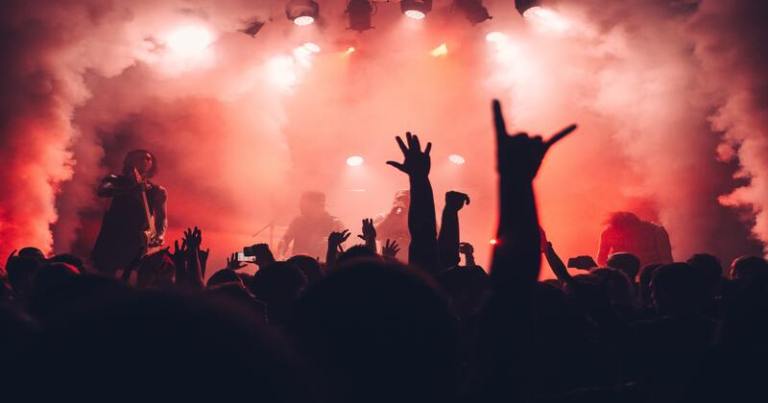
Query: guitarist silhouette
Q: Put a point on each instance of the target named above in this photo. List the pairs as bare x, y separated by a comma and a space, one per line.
136, 219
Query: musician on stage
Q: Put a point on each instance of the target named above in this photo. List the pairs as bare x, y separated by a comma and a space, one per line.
394, 224
136, 219
308, 232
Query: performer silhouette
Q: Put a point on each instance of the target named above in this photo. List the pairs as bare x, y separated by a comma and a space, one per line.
137, 206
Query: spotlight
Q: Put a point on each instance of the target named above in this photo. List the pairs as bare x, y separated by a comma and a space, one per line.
439, 51
523, 5
456, 159
495, 37
416, 9
473, 10
546, 19
189, 41
302, 12
493, 242
360, 12
355, 161
311, 47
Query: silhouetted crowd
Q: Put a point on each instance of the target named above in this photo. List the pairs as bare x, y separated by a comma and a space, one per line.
364, 326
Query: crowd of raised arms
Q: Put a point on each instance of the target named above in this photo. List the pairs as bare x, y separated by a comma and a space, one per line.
364, 326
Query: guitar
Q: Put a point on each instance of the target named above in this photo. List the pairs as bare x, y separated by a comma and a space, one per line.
151, 242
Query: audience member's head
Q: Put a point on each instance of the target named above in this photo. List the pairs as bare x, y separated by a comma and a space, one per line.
617, 285
224, 276
179, 347
32, 252
356, 252
70, 259
467, 289
628, 263
710, 268
378, 332
156, 271
749, 269
678, 289
278, 285
309, 266
21, 270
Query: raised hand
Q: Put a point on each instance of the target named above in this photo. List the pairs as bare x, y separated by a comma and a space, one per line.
390, 249
416, 162
369, 234
466, 248
336, 238
233, 263
204, 260
520, 155
179, 253
369, 231
193, 238
455, 200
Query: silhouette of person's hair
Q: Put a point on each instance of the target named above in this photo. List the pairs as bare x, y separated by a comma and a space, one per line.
749, 268
622, 219
224, 276
70, 259
356, 252
309, 266
628, 263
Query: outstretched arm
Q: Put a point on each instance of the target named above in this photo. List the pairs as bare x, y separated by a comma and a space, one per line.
422, 223
335, 239
369, 234
557, 265
448, 240
604, 249
193, 239
517, 255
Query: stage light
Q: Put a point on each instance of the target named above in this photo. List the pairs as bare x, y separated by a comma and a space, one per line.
312, 47
473, 10
456, 159
189, 41
524, 5
302, 12
439, 51
547, 19
304, 20
349, 51
355, 161
416, 9
495, 37
360, 12
493, 242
